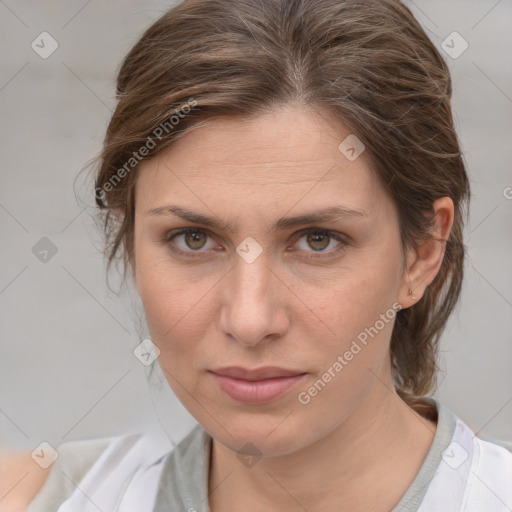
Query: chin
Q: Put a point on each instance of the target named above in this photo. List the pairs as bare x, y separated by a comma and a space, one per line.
266, 434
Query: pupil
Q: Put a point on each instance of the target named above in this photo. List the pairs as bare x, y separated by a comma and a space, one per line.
192, 238
314, 238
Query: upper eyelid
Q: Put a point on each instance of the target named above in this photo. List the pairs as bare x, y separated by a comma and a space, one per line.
296, 236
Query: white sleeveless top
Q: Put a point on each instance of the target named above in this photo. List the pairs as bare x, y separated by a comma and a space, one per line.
138, 474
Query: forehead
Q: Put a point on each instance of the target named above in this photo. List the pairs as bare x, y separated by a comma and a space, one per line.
274, 158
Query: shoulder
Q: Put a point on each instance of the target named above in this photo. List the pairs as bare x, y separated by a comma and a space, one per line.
106, 471
491, 454
487, 473
488, 485
24, 483
498, 442
487, 453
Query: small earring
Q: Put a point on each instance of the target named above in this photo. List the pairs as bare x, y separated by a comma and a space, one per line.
410, 290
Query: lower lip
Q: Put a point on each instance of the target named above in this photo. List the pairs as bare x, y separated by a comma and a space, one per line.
257, 391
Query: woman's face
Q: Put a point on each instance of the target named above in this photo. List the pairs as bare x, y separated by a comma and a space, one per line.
247, 287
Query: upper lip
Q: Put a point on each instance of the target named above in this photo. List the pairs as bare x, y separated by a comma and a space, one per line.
265, 372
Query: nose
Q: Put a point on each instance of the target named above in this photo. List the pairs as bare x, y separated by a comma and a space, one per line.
253, 309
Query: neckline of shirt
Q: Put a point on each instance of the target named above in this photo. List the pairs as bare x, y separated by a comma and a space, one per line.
184, 479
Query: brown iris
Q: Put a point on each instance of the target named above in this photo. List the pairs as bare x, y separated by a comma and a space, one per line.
193, 239
315, 241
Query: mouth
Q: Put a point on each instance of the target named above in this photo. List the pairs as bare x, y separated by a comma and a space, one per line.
256, 386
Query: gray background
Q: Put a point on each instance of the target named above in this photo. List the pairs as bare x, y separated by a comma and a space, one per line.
66, 367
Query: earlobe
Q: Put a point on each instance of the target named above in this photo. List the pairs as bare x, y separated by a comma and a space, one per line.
424, 261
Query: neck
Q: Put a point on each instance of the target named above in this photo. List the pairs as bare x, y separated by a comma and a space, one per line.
366, 463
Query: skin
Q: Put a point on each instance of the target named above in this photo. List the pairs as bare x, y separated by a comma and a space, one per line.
355, 445
20, 479
282, 309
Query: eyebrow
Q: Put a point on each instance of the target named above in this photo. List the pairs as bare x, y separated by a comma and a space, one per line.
324, 215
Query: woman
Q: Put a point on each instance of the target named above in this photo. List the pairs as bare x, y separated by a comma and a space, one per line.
284, 185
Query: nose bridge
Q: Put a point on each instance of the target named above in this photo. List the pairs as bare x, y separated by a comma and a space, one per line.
253, 279
251, 312
251, 273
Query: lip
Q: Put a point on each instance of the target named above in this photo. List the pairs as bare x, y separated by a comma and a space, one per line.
264, 372
256, 386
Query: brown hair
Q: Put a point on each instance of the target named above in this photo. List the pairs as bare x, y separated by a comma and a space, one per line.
369, 63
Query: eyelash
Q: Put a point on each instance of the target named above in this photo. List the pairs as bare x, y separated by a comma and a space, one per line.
199, 254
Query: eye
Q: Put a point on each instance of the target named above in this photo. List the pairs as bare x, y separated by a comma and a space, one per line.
319, 240
193, 240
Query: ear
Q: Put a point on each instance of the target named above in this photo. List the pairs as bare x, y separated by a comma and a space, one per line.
424, 261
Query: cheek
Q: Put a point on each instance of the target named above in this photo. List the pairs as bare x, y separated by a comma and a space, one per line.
354, 298
355, 313
176, 303
360, 312
357, 339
